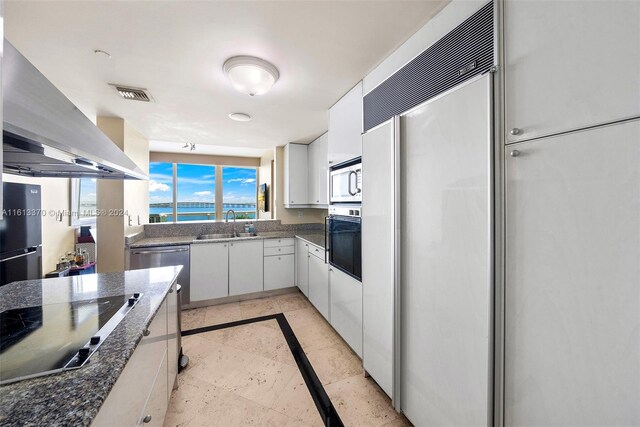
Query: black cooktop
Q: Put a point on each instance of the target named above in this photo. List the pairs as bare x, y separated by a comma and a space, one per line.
48, 338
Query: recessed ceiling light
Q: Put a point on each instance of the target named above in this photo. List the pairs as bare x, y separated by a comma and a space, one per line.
250, 75
240, 117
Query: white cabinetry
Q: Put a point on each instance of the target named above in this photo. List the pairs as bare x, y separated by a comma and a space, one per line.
279, 264
209, 271
319, 284
173, 329
570, 64
346, 308
572, 346
246, 267
302, 266
318, 171
141, 393
345, 127
296, 176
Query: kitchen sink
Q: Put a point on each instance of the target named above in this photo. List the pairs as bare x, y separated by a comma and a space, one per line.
215, 236
246, 235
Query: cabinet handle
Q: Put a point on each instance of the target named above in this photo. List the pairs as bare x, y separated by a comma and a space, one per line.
514, 153
516, 131
225, 245
231, 244
171, 290
317, 201
279, 258
308, 256
331, 269
147, 419
146, 332
279, 249
306, 246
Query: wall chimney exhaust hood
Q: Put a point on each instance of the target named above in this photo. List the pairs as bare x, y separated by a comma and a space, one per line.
45, 135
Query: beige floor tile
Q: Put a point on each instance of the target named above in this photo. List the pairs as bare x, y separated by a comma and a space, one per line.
335, 363
401, 421
257, 338
276, 419
258, 307
296, 402
292, 301
187, 399
261, 381
222, 362
193, 318
316, 335
196, 347
360, 402
222, 313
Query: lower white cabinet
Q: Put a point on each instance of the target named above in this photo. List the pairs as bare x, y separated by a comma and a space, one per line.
279, 272
346, 308
246, 272
302, 266
319, 285
141, 393
173, 329
209, 264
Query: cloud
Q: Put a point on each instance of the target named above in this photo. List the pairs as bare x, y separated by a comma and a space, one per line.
158, 186
203, 193
242, 180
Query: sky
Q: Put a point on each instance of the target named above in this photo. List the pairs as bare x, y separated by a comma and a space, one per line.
197, 183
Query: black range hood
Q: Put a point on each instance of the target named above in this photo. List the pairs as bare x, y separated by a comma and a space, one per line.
45, 135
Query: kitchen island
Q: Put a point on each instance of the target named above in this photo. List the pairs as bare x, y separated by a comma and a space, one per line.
75, 397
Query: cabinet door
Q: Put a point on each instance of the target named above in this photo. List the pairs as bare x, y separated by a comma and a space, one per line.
319, 285
345, 127
318, 171
173, 351
346, 308
156, 406
302, 266
572, 348
279, 272
296, 175
246, 267
570, 64
209, 271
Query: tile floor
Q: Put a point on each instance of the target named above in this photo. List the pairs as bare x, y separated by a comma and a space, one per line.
246, 375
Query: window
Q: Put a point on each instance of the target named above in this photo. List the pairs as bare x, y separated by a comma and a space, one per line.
239, 191
187, 192
196, 192
160, 192
83, 201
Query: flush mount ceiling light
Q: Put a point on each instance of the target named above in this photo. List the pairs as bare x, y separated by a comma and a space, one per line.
240, 117
250, 75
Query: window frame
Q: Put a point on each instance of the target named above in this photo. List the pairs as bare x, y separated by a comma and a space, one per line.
74, 209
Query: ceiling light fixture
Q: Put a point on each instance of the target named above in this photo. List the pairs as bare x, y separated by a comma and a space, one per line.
250, 75
240, 117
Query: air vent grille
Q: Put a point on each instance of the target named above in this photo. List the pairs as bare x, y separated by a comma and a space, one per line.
132, 93
463, 53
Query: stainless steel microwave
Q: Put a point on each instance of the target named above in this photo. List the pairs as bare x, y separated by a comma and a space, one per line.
345, 183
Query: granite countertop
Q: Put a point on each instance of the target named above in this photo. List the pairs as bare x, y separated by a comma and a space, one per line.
314, 238
74, 397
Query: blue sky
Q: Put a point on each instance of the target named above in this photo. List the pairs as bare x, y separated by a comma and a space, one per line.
197, 183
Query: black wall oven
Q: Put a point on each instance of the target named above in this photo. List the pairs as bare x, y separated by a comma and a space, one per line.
343, 234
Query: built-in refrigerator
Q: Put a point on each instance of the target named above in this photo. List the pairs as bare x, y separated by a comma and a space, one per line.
21, 233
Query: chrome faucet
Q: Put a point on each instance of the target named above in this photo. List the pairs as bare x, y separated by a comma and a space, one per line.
226, 219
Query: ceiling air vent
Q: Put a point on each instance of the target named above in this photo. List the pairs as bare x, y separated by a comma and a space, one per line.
132, 93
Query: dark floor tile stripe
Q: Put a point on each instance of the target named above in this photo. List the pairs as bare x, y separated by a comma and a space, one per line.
320, 397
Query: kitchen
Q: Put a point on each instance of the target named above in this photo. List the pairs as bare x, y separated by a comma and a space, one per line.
305, 214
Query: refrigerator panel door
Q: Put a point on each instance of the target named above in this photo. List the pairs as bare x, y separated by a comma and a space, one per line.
446, 288
378, 254
572, 343
21, 226
26, 265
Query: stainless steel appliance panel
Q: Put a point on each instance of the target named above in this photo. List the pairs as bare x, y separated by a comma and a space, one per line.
162, 256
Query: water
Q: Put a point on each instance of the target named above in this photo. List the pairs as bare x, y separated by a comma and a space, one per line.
244, 211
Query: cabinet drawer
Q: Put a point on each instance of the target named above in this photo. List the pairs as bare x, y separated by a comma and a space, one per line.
279, 272
274, 243
316, 251
284, 250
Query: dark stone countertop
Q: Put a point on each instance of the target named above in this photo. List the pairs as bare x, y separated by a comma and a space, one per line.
74, 397
314, 238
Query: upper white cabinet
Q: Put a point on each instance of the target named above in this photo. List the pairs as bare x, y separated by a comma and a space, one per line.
572, 348
246, 267
318, 171
209, 271
345, 127
296, 176
569, 65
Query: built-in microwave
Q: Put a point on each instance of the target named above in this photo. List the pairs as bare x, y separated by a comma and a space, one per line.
345, 183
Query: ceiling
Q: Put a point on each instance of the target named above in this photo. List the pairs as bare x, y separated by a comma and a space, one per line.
175, 50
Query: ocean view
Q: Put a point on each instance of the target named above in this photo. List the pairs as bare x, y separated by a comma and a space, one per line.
162, 212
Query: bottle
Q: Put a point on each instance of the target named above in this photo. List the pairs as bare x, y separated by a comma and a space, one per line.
79, 257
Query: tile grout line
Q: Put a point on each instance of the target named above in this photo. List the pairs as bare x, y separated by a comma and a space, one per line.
320, 397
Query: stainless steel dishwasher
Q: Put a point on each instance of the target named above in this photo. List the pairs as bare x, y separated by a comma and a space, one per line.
164, 256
